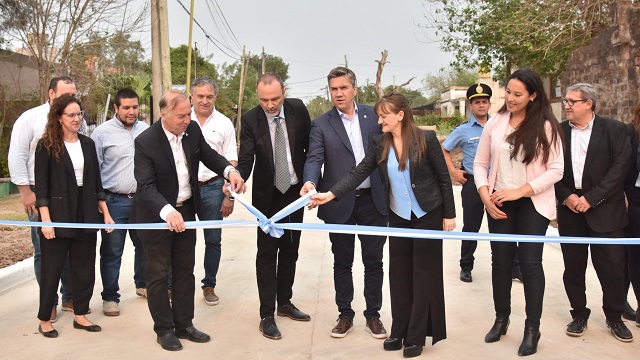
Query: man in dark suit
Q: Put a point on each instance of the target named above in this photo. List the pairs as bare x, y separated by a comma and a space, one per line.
339, 140
275, 135
167, 157
591, 203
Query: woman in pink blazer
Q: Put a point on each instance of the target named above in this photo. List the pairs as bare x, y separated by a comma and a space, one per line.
519, 158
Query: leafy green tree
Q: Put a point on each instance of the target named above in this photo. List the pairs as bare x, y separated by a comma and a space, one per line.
178, 57
318, 106
540, 34
415, 97
367, 94
272, 63
435, 83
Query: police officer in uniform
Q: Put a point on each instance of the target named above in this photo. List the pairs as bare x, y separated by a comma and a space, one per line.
467, 136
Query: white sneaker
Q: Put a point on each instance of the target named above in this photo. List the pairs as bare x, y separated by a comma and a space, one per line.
110, 308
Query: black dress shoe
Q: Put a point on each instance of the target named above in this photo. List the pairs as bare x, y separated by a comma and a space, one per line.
193, 334
50, 334
170, 342
269, 329
620, 331
499, 328
530, 340
392, 344
465, 275
412, 351
291, 311
628, 313
89, 328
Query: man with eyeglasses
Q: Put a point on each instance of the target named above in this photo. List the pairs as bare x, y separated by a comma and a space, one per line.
591, 203
219, 133
115, 147
27, 131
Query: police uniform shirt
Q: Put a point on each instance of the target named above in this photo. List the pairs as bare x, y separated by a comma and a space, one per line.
467, 136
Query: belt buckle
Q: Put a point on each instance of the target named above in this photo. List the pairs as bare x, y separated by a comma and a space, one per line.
179, 204
130, 195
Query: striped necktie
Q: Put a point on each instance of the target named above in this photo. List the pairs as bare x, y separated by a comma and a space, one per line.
282, 176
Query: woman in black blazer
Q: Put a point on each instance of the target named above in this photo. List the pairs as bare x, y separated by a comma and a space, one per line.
68, 189
416, 180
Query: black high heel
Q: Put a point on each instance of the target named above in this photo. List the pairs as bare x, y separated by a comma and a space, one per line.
499, 328
530, 340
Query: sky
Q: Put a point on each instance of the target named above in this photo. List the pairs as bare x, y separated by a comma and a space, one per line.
314, 36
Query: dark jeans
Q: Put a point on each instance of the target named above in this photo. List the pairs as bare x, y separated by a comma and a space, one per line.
171, 254
522, 218
472, 213
80, 253
342, 246
276, 257
112, 247
211, 196
632, 275
65, 277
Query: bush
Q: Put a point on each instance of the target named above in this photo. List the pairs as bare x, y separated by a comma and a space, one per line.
444, 124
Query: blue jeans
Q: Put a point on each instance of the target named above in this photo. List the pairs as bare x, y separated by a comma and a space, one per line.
65, 283
212, 196
112, 247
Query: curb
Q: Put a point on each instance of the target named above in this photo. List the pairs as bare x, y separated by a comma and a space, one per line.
16, 274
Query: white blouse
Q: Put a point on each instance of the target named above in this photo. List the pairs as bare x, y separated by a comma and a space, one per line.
77, 159
512, 173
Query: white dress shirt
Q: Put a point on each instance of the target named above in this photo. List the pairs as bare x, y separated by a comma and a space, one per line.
184, 188
219, 133
579, 145
352, 126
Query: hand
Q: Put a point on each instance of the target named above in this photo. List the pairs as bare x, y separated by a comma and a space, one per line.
237, 182
108, 220
175, 221
494, 212
448, 224
500, 196
320, 199
308, 186
458, 175
583, 205
28, 198
227, 207
48, 232
572, 202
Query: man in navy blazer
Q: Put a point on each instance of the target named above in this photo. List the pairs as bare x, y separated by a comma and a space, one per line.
339, 140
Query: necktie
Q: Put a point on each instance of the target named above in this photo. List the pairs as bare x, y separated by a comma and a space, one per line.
282, 177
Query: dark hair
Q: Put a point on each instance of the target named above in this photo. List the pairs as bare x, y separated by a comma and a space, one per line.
636, 118
394, 102
53, 84
268, 78
52, 137
342, 71
531, 135
125, 93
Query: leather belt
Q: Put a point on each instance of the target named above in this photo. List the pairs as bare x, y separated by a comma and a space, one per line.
203, 183
363, 191
129, 195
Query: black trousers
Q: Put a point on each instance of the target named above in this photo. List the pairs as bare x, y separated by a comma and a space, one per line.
608, 261
175, 252
343, 247
472, 213
82, 261
632, 258
522, 218
416, 281
276, 258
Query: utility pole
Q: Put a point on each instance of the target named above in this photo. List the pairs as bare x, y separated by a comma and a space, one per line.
243, 78
160, 60
346, 63
195, 60
263, 64
188, 83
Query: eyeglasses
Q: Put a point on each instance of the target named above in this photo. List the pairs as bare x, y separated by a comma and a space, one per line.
74, 115
571, 102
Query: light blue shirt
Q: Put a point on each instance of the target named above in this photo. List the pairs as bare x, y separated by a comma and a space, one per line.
115, 148
402, 200
467, 136
352, 126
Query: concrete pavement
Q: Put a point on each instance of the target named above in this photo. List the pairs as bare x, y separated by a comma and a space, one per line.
233, 324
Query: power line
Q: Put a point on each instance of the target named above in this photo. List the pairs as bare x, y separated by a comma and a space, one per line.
306, 81
228, 27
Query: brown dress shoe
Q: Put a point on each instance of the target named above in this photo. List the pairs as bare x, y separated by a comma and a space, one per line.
344, 326
376, 329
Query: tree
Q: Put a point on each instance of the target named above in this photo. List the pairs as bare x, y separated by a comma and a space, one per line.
273, 64
415, 97
435, 83
540, 34
53, 29
179, 65
318, 106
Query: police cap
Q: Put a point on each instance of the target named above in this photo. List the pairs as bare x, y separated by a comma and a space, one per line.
478, 90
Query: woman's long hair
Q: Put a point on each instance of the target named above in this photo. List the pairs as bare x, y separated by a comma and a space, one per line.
531, 135
394, 102
52, 137
636, 118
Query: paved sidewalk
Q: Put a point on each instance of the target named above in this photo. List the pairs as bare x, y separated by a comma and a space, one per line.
233, 324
